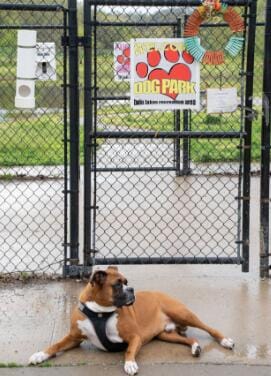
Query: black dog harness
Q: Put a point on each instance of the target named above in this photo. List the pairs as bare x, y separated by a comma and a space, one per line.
99, 321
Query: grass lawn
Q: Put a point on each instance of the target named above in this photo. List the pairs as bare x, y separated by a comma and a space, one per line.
29, 141
201, 150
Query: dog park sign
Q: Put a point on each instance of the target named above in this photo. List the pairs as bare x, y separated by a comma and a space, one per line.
163, 75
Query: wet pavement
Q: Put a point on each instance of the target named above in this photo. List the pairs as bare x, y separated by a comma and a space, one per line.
37, 314
146, 370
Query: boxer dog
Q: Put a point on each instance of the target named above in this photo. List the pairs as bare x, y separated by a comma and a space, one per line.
114, 319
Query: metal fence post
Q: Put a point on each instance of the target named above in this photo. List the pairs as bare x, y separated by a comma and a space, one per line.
87, 129
178, 119
186, 141
185, 170
74, 133
248, 127
265, 152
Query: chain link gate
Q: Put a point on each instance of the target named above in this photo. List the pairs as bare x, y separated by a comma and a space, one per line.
171, 186
33, 166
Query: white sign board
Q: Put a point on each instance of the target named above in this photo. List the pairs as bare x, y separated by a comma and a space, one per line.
163, 75
222, 100
121, 61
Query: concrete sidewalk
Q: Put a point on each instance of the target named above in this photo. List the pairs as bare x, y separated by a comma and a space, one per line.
146, 370
34, 315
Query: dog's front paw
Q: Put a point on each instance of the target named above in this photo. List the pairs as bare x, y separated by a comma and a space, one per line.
38, 357
131, 368
196, 349
227, 343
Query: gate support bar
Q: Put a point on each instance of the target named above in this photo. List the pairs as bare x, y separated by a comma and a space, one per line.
164, 3
88, 128
170, 135
32, 7
74, 134
167, 260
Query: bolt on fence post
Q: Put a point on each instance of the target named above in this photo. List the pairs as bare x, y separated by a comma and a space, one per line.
248, 129
265, 152
74, 133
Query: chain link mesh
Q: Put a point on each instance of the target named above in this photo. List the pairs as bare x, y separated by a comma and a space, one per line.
144, 214
31, 152
140, 213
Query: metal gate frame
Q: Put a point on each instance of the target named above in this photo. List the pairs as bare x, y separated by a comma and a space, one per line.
71, 190
265, 253
91, 135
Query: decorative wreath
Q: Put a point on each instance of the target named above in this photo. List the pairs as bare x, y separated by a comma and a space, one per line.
211, 8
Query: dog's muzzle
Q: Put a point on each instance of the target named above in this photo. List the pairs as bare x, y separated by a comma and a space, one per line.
126, 298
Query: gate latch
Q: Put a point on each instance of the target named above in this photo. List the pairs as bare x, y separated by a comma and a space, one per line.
79, 41
251, 113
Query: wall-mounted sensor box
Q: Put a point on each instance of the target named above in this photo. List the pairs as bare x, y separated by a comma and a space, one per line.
46, 61
26, 69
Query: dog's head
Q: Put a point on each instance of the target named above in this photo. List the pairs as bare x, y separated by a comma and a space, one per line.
110, 288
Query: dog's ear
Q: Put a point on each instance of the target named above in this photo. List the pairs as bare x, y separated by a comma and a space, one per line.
98, 277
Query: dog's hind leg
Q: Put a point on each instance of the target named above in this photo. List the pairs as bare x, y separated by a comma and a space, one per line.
182, 316
67, 343
177, 338
187, 318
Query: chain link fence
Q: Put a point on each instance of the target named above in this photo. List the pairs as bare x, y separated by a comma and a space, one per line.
151, 203
31, 149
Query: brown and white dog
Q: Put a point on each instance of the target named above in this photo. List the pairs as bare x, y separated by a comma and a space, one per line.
135, 320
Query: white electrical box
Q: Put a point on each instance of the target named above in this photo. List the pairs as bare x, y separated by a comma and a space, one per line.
46, 61
26, 69
35, 61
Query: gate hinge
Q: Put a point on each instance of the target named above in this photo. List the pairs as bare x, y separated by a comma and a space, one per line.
246, 73
91, 251
79, 41
266, 147
244, 198
77, 271
243, 147
265, 200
